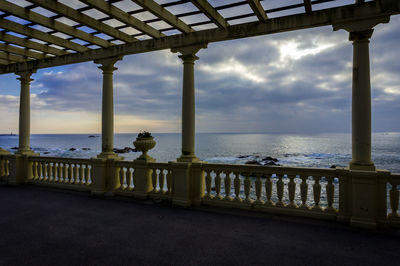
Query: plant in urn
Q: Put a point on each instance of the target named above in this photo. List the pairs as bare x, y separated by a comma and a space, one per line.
144, 142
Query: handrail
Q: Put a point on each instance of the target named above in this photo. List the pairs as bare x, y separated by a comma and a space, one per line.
262, 169
57, 159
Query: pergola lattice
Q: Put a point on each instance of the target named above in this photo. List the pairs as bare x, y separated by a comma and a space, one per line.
44, 33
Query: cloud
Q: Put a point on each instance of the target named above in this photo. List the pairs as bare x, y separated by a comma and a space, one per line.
289, 82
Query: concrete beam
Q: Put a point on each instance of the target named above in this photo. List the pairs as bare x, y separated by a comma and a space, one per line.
11, 58
51, 23
164, 14
124, 17
31, 44
258, 9
77, 16
40, 35
21, 51
307, 6
349, 13
4, 62
211, 13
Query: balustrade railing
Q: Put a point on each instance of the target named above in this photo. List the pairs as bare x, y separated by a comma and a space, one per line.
393, 196
4, 168
53, 170
126, 175
272, 187
161, 178
315, 192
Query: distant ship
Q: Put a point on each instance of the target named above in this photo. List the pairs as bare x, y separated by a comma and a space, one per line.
11, 134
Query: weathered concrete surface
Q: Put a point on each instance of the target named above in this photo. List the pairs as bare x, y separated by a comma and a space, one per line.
49, 227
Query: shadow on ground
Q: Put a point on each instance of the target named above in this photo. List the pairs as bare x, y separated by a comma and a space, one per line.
54, 227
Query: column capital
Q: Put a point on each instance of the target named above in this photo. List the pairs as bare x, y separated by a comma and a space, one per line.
25, 75
357, 36
107, 64
188, 53
360, 25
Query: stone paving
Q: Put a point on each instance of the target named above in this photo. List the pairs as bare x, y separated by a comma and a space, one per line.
55, 227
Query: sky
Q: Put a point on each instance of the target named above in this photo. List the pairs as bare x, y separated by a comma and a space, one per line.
294, 82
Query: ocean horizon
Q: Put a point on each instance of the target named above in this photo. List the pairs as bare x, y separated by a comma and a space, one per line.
322, 150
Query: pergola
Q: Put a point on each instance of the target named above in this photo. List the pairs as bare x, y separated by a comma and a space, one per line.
45, 33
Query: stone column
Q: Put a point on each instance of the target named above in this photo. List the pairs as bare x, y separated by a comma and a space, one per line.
188, 56
107, 118
361, 102
360, 33
24, 113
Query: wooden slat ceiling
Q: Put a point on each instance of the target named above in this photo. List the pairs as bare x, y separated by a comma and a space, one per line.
42, 29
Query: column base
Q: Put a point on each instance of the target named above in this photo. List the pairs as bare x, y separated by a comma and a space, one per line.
27, 153
109, 155
4, 152
188, 159
145, 158
362, 166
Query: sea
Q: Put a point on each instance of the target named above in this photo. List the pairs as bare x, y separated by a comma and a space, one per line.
304, 150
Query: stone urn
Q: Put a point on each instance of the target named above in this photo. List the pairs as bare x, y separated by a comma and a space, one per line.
144, 144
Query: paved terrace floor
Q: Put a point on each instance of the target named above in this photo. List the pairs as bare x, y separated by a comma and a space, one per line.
54, 227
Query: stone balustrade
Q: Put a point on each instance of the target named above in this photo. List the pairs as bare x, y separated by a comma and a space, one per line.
4, 168
393, 188
161, 179
310, 192
61, 171
149, 179
275, 189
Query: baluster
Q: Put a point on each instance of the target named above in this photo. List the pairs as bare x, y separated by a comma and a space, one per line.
60, 172
39, 170
208, 185
76, 174
122, 178
394, 200
279, 188
6, 169
330, 189
34, 172
218, 180
133, 172
70, 172
161, 178
169, 181
236, 183
49, 171
2, 172
154, 180
317, 191
292, 190
81, 174
258, 189
268, 189
87, 174
227, 186
45, 174
55, 172
247, 187
128, 178
65, 172
304, 191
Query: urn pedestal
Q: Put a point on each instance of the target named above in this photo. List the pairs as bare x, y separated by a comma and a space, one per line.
144, 145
